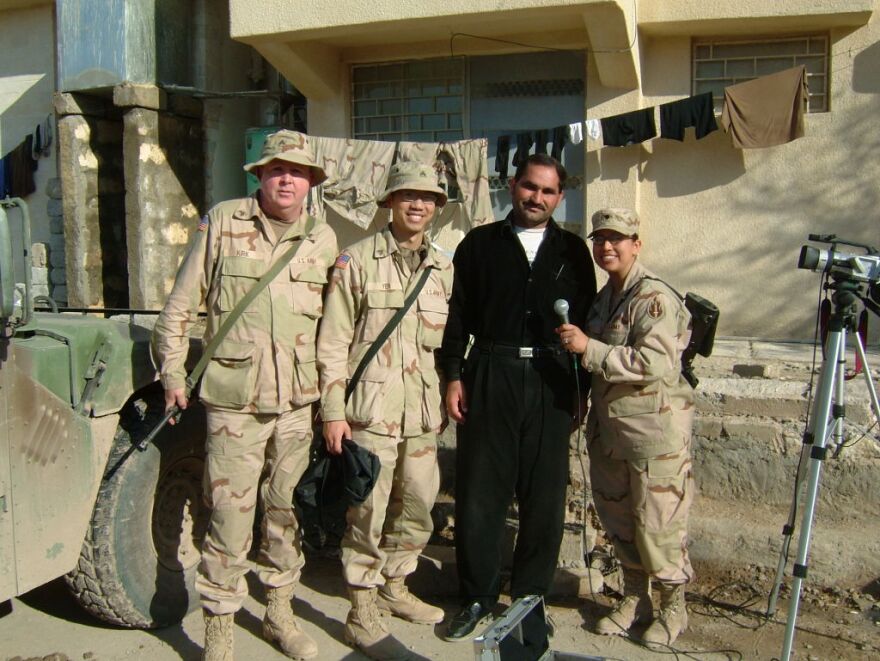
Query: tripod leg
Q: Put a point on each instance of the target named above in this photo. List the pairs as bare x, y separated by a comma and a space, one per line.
866, 369
803, 462
789, 527
835, 349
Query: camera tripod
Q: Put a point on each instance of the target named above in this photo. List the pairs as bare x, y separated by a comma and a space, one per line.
826, 421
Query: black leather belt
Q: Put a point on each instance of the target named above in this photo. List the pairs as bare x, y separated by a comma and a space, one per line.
516, 352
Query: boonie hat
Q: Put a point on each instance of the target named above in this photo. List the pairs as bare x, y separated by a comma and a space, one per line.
625, 221
410, 175
293, 147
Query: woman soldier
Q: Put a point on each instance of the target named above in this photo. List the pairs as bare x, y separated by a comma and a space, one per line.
639, 427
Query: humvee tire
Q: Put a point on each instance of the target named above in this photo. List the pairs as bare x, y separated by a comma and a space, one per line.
139, 558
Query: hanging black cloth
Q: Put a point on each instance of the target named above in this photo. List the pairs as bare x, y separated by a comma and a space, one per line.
629, 128
502, 154
696, 111
524, 142
22, 166
541, 139
560, 139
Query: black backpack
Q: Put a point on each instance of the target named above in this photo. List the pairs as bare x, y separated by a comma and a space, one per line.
704, 322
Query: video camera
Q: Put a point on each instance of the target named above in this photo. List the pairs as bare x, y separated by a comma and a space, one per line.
842, 267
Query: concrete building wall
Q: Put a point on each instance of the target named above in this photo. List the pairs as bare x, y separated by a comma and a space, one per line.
164, 183
729, 223
90, 153
725, 222
27, 81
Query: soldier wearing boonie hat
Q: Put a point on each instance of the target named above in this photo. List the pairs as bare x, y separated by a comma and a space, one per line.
395, 409
290, 146
410, 175
624, 221
639, 428
259, 386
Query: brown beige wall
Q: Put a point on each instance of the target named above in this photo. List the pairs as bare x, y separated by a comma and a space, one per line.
730, 223
725, 222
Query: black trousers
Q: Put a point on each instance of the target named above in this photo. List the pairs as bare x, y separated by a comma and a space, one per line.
514, 442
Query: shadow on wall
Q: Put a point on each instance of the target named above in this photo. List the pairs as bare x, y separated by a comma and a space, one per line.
864, 65
676, 168
693, 166
782, 199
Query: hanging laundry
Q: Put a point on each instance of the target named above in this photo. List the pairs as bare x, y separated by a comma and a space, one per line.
766, 111
502, 155
560, 137
47, 130
21, 166
37, 144
524, 143
5, 178
420, 152
629, 128
356, 174
576, 133
542, 137
472, 178
696, 111
465, 162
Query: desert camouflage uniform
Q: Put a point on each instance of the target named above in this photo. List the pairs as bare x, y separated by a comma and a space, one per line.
640, 424
257, 388
396, 408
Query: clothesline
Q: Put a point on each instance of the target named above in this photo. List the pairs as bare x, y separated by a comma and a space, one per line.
761, 112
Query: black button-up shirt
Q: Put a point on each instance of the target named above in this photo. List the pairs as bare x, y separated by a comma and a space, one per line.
497, 297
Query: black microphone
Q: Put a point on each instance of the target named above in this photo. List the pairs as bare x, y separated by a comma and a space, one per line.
560, 307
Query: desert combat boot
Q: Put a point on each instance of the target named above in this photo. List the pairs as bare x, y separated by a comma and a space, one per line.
395, 598
634, 608
218, 637
365, 630
673, 617
279, 625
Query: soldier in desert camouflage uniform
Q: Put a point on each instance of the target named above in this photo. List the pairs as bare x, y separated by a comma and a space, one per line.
395, 409
258, 387
639, 427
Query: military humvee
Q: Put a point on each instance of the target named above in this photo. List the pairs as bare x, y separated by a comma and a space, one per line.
78, 498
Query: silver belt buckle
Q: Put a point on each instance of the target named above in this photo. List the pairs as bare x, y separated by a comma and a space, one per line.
526, 352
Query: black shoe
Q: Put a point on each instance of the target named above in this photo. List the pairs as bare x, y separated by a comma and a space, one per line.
465, 621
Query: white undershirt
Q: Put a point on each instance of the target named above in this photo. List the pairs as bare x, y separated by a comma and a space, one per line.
530, 238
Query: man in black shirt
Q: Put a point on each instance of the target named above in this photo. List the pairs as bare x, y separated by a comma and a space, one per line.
513, 397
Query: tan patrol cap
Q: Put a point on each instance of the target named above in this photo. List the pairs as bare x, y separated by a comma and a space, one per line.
411, 175
625, 221
293, 147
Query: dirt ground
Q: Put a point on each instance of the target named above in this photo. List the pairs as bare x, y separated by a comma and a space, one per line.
726, 622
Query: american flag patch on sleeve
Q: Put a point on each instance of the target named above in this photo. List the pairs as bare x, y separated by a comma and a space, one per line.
342, 261
203, 224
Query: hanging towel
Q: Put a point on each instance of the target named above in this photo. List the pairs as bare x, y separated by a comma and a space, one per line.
629, 128
576, 133
696, 111
766, 111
